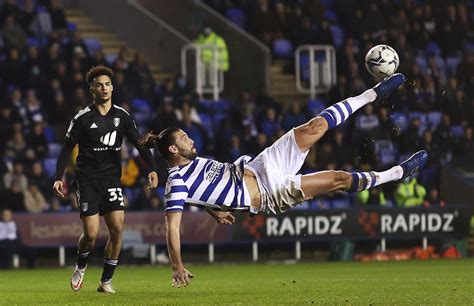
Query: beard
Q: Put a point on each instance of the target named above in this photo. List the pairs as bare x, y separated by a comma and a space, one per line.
189, 154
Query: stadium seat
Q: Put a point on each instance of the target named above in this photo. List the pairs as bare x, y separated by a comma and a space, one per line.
206, 122
141, 105
49, 134
110, 58
304, 66
421, 62
400, 119
49, 166
338, 35
457, 131
386, 152
330, 15
236, 16
340, 203
54, 149
315, 106
282, 48
434, 119
71, 26
33, 42
432, 48
92, 45
452, 64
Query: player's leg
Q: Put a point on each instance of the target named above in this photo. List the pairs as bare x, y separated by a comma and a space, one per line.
114, 221
309, 133
319, 183
85, 246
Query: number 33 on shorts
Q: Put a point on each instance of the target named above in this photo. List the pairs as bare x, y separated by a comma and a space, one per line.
116, 194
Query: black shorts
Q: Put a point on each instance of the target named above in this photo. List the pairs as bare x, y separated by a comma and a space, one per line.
99, 196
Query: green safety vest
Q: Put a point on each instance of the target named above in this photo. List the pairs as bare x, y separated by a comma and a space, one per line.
410, 194
363, 197
222, 52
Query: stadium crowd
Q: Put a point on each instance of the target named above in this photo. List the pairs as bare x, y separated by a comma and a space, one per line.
43, 60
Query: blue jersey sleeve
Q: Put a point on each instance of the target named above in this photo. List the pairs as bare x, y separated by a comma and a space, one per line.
176, 194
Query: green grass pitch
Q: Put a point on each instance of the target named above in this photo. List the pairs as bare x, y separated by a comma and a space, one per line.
395, 283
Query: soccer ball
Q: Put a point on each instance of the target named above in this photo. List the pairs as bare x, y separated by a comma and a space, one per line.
381, 61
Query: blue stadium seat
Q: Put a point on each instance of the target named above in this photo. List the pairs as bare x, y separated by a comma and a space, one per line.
110, 58
432, 48
220, 106
386, 152
33, 42
315, 106
237, 16
92, 45
457, 131
421, 62
338, 35
452, 64
282, 48
49, 166
54, 149
434, 118
160, 191
141, 105
206, 122
400, 119
340, 203
71, 26
330, 15
49, 134
304, 66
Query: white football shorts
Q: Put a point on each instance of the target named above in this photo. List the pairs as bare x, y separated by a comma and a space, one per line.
275, 169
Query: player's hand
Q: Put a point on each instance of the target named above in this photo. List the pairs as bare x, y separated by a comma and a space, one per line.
224, 217
181, 277
58, 188
152, 179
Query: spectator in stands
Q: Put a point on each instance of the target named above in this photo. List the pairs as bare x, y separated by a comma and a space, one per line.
15, 69
10, 242
367, 122
12, 197
17, 146
410, 193
263, 21
410, 141
37, 141
6, 124
342, 151
130, 171
39, 178
374, 196
433, 199
141, 77
270, 123
35, 201
17, 175
58, 17
13, 34
466, 144
34, 68
293, 117
210, 38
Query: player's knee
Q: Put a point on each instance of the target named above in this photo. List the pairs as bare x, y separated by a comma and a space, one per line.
91, 235
316, 125
342, 179
115, 232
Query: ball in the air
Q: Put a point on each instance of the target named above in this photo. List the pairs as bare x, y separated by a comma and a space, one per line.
381, 61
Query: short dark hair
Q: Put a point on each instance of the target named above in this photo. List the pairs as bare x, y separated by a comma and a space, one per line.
163, 141
97, 71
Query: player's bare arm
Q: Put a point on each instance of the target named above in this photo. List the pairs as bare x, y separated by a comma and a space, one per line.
181, 276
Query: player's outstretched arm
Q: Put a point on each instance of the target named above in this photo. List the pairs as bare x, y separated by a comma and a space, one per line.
181, 276
222, 217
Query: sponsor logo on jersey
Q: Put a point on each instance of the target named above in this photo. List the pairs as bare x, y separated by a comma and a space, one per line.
109, 138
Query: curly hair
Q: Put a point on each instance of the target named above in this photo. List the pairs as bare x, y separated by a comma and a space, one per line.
97, 71
163, 140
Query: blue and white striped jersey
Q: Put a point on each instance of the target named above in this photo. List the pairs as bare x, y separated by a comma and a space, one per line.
206, 182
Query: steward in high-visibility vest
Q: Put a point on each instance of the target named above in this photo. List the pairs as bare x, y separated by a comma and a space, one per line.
410, 194
371, 197
209, 37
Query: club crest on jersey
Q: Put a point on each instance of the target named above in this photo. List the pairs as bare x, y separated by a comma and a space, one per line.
116, 121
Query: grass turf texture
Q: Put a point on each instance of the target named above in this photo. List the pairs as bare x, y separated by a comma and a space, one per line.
415, 282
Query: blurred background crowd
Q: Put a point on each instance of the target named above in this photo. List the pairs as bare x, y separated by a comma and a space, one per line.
43, 61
